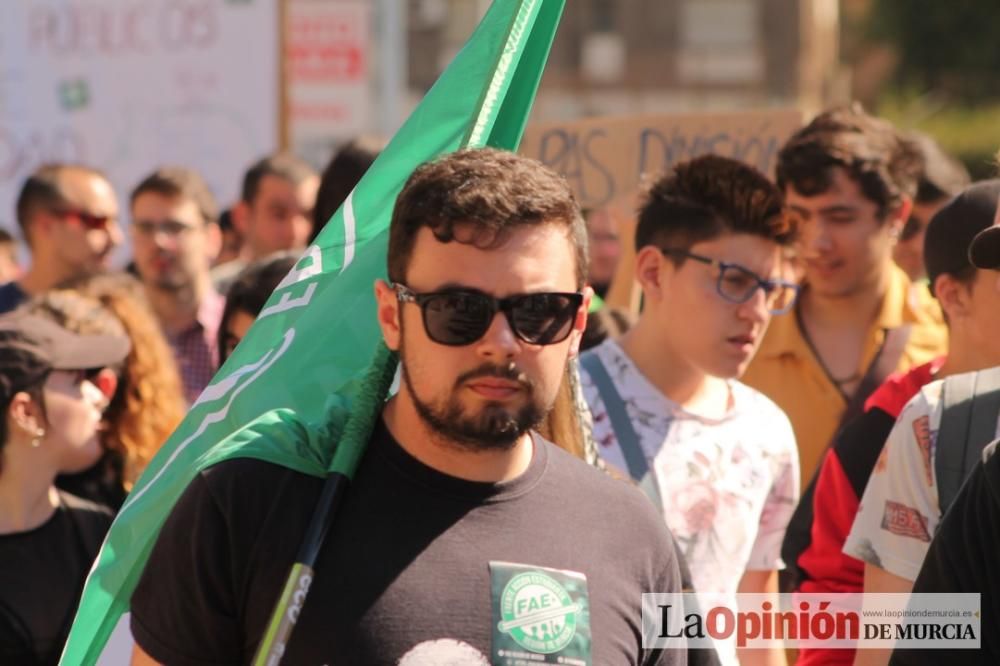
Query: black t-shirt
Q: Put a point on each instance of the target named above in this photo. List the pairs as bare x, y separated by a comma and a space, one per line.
963, 558
42, 572
101, 483
405, 570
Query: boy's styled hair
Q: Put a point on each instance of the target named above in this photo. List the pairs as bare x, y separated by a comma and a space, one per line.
706, 197
479, 197
873, 153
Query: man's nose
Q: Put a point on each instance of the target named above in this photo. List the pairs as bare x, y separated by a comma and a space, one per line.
499, 343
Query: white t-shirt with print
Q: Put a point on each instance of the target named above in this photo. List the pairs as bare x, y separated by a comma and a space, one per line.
728, 486
899, 511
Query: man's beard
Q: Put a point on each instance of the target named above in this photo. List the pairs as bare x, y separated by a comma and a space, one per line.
494, 427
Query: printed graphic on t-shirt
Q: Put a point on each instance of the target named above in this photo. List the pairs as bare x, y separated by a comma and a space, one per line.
540, 615
905, 521
925, 442
728, 486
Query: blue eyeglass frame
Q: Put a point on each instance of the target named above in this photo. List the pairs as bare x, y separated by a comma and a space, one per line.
768, 286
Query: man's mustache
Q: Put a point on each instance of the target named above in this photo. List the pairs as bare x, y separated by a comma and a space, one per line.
510, 372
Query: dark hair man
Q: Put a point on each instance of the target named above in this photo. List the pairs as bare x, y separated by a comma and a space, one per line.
941, 177
174, 238
69, 217
722, 464
456, 496
850, 178
274, 213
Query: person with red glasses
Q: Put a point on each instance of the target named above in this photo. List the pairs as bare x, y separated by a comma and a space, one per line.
464, 536
68, 214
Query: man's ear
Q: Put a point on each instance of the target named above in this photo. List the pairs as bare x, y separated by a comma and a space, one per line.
213, 241
953, 296
580, 324
240, 214
388, 314
648, 263
899, 215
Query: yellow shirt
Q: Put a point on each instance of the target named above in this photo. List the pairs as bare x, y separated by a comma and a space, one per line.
787, 370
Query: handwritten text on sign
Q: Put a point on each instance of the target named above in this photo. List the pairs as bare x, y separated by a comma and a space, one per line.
605, 158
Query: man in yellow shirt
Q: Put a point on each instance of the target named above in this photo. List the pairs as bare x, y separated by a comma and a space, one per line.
850, 178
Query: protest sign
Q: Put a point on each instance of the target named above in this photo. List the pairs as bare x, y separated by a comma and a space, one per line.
604, 159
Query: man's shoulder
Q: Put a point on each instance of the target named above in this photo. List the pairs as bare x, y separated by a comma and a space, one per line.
899, 387
762, 414
754, 403
253, 484
621, 371
586, 487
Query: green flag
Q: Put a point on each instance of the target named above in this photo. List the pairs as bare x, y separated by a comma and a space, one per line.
286, 392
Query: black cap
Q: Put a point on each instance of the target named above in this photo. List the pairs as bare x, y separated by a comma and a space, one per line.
984, 252
951, 230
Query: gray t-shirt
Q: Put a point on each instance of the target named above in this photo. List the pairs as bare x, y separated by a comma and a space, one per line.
408, 574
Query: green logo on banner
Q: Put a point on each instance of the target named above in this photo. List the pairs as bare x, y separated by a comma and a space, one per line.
538, 613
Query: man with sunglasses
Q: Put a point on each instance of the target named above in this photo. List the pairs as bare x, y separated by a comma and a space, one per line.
464, 537
174, 239
717, 458
68, 215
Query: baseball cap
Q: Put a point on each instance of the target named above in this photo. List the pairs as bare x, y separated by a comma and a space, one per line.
47, 345
952, 229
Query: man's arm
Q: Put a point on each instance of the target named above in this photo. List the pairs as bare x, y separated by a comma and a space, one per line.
880, 581
761, 582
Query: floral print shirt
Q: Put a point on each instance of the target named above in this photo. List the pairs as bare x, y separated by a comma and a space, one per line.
728, 486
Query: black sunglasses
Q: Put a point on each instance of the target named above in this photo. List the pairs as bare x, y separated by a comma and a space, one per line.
459, 317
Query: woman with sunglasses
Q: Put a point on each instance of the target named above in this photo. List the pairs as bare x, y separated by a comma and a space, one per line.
148, 401
48, 538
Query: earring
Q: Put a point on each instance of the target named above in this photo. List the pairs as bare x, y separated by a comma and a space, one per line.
36, 441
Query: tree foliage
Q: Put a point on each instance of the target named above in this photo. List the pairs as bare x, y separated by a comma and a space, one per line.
947, 46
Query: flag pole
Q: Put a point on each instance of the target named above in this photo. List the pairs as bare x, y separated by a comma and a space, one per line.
348, 454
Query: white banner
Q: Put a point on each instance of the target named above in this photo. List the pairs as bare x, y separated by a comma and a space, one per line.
129, 85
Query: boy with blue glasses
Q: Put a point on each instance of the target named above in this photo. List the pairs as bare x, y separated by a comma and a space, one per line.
716, 457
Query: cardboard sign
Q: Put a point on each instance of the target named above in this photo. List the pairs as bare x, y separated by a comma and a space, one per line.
607, 158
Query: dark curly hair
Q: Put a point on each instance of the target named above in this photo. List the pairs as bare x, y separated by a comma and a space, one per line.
483, 194
708, 196
874, 154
